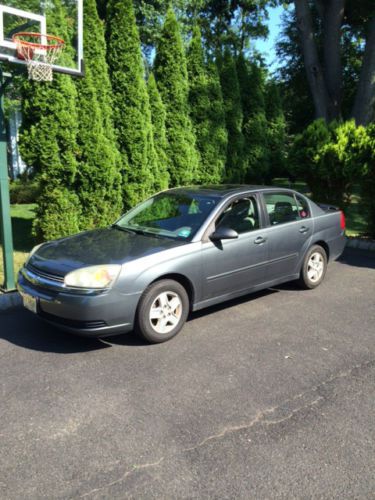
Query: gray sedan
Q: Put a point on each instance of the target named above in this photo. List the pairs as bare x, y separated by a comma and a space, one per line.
181, 250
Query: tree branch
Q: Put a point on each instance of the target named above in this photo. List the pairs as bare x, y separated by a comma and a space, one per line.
313, 67
364, 104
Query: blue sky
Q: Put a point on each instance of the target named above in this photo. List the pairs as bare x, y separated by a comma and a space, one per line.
267, 47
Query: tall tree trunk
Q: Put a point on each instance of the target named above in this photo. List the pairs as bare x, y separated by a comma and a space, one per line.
364, 104
313, 67
332, 21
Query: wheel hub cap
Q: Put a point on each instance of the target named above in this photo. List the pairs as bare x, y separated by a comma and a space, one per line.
315, 267
165, 312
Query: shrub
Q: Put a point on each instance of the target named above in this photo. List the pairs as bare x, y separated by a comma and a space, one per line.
329, 157
57, 215
368, 178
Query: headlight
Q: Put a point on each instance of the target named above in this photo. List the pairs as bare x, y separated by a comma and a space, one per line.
33, 251
93, 277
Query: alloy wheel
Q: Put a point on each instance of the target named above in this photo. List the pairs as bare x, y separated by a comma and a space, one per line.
165, 312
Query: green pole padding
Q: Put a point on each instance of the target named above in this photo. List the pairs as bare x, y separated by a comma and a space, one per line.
6, 224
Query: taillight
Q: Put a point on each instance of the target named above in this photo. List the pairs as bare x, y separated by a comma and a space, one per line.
342, 220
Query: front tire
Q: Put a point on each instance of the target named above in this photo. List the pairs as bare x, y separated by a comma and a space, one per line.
314, 268
162, 311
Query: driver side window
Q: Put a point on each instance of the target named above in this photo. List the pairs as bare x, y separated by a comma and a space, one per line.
242, 215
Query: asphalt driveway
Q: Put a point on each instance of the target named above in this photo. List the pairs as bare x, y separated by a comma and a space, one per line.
270, 396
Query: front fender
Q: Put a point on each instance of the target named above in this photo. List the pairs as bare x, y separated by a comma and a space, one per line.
186, 261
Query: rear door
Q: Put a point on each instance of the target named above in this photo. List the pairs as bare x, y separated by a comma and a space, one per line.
289, 231
238, 264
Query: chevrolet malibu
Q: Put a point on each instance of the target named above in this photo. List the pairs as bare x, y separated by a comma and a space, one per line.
179, 251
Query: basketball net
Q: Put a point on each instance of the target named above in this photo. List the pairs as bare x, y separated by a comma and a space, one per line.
40, 52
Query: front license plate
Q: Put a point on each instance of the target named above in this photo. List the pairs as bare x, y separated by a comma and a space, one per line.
29, 302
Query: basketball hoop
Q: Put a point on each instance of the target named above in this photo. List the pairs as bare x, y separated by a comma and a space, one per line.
40, 52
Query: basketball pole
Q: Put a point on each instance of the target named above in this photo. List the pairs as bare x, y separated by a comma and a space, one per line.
6, 223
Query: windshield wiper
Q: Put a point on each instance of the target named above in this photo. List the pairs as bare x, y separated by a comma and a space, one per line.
138, 230
125, 229
144, 232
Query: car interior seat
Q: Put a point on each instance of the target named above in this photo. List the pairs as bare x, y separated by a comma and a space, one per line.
238, 217
283, 212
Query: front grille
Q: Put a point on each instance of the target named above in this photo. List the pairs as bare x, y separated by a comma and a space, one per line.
43, 274
86, 325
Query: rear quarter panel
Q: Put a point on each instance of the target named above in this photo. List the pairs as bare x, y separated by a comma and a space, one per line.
327, 228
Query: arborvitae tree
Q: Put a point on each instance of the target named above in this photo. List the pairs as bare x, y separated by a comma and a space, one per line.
235, 165
98, 177
207, 112
158, 117
48, 145
251, 83
276, 131
132, 115
172, 80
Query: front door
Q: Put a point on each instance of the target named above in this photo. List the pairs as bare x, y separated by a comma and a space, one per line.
238, 264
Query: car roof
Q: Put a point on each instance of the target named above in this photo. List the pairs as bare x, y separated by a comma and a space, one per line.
224, 190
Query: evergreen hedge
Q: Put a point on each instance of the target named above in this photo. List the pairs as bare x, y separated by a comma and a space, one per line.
235, 164
251, 83
276, 132
207, 112
98, 180
132, 115
158, 117
172, 80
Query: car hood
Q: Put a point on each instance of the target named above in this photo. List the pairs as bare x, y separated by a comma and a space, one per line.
101, 246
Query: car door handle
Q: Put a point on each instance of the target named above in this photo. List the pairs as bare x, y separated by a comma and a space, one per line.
303, 229
260, 240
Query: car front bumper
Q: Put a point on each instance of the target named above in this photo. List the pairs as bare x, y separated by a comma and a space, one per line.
90, 314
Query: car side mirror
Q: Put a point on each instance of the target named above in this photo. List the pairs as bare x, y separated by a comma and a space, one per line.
224, 233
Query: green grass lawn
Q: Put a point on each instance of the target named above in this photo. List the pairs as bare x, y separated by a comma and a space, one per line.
22, 220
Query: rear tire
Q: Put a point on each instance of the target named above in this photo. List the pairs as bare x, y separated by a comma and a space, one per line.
162, 311
314, 268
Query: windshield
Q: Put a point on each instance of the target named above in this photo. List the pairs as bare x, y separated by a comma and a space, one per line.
169, 215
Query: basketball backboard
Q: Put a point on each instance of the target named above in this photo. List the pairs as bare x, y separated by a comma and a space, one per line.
44, 17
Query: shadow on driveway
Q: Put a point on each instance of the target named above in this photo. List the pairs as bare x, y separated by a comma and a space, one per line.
22, 328
358, 258
232, 303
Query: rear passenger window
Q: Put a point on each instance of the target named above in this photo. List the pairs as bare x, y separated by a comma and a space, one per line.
303, 207
281, 208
